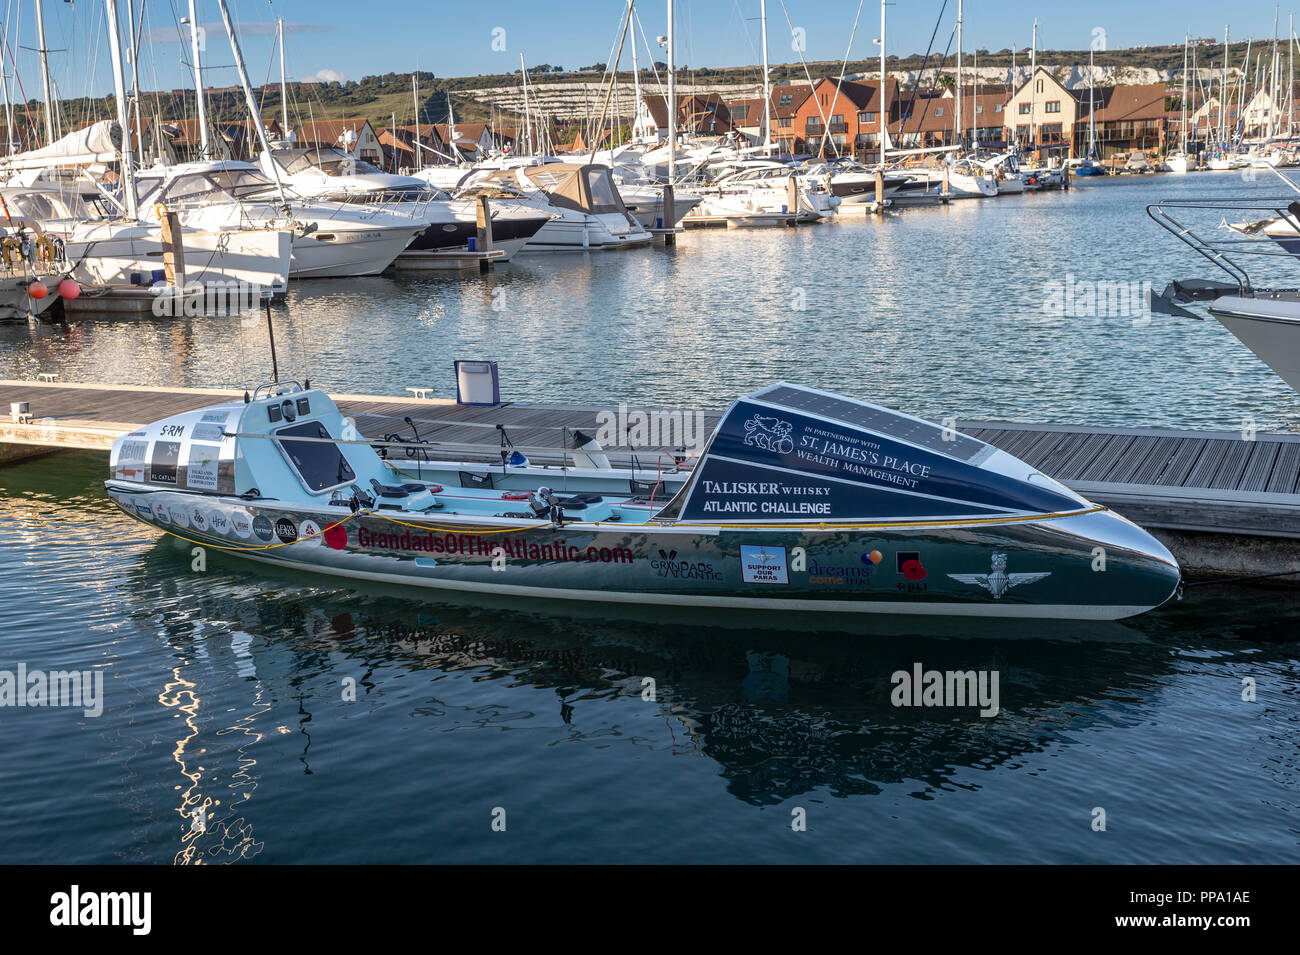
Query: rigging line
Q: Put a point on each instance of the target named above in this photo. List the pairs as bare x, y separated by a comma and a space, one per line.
826, 130
921, 72
804, 63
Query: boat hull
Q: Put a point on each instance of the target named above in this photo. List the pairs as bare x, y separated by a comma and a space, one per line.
1268, 327
1041, 568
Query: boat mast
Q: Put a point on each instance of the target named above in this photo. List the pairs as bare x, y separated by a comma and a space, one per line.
284, 87
119, 92
415, 103
45, 73
767, 84
135, 74
1092, 111
528, 119
1290, 76
883, 106
636, 74
9, 109
1033, 88
1187, 37
249, 99
672, 100
198, 83
1223, 94
957, 117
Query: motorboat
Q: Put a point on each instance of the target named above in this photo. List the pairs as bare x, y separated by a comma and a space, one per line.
1090, 167
330, 239
99, 250
331, 174
800, 500
582, 200
964, 180
1177, 162
1268, 323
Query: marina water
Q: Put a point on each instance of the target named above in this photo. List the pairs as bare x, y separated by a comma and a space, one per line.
253, 715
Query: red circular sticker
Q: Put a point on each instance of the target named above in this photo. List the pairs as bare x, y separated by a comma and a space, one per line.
336, 536
913, 570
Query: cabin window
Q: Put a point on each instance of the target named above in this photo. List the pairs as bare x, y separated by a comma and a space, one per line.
320, 465
1053, 107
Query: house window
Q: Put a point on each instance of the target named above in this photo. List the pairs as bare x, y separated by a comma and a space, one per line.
821, 98
978, 110
739, 112
785, 100
785, 121
1024, 109
938, 111
866, 117
997, 107
1038, 87
1053, 107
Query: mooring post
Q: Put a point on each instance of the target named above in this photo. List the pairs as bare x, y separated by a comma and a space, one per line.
483, 216
173, 247
880, 187
669, 221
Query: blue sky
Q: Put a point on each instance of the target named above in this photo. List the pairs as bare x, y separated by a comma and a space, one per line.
353, 38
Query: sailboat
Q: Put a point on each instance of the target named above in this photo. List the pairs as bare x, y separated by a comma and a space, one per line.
1090, 165
1178, 161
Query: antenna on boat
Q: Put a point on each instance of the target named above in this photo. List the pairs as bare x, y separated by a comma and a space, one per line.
270, 332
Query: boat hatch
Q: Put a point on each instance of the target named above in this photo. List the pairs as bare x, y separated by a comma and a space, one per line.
320, 465
789, 453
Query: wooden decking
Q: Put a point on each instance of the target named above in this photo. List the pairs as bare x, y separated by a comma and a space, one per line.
1182, 481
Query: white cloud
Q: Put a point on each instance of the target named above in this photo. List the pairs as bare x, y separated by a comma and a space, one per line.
325, 76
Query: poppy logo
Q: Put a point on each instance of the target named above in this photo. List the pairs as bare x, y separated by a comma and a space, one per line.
336, 536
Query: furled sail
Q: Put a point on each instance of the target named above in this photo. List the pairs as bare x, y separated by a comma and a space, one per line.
99, 142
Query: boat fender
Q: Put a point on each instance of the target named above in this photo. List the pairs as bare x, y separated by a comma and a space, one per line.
587, 451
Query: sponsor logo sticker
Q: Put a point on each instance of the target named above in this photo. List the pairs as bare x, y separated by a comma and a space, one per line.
179, 517
241, 524
761, 564
263, 528
336, 536
198, 519
910, 566
309, 532
161, 512
286, 530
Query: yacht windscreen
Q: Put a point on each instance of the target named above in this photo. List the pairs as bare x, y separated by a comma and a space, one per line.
320, 465
880, 420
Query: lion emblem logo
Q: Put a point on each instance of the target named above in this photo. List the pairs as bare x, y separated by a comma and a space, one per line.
770, 434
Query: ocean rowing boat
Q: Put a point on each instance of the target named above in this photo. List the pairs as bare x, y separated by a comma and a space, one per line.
801, 500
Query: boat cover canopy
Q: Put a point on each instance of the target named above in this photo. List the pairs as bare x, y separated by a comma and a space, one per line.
793, 454
97, 143
578, 186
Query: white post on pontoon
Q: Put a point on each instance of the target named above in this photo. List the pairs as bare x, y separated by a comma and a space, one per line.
767, 82
195, 51
672, 100
119, 92
249, 99
45, 73
284, 87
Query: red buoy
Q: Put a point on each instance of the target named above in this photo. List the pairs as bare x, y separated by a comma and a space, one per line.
69, 289
37, 290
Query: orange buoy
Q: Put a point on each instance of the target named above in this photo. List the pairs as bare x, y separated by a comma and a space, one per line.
69, 289
37, 290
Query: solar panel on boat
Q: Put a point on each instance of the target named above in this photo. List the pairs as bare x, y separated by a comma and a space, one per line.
921, 433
